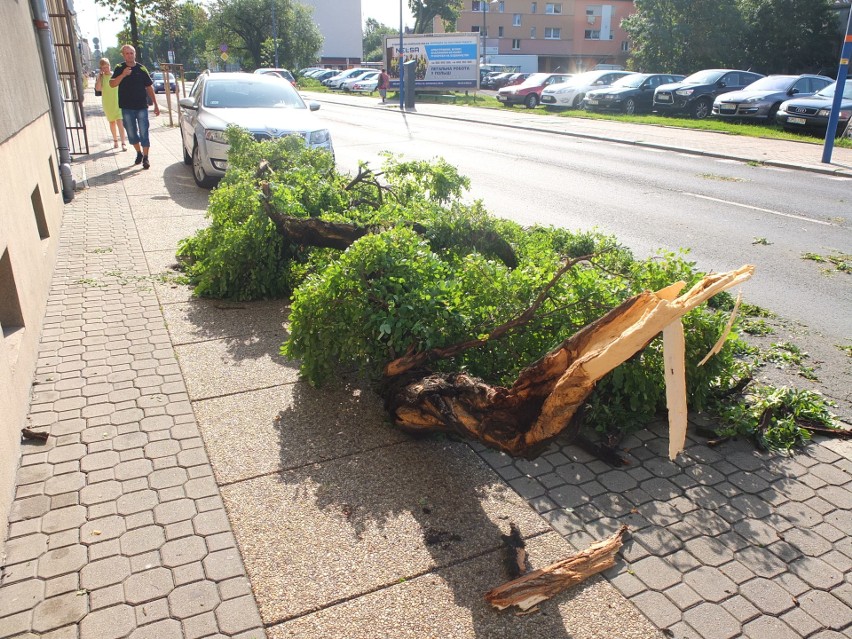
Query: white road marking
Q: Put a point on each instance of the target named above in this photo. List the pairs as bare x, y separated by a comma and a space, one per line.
757, 208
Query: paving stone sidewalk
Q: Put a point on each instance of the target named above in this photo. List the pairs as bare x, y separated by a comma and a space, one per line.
117, 528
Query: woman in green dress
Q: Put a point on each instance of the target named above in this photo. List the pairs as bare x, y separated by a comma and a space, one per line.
109, 98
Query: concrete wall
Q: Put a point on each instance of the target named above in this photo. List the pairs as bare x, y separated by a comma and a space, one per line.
30, 219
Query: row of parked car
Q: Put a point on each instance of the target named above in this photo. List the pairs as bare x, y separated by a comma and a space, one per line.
795, 102
357, 80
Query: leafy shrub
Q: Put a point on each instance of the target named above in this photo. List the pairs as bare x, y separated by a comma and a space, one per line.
437, 270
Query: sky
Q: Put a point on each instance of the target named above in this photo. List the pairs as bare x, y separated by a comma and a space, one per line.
95, 23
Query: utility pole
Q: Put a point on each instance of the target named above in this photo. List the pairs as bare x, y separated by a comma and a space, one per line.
839, 90
275, 33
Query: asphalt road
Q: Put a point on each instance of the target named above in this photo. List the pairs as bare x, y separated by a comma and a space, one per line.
726, 213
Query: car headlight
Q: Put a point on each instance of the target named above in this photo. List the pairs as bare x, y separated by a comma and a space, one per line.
753, 99
685, 92
212, 135
565, 90
824, 113
321, 136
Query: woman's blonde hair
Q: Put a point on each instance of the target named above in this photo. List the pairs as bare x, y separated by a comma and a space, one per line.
102, 61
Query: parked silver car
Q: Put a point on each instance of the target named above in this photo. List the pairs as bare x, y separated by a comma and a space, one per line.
261, 104
760, 100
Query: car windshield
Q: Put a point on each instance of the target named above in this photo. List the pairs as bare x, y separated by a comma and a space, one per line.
243, 94
772, 83
704, 77
630, 81
590, 77
828, 92
534, 80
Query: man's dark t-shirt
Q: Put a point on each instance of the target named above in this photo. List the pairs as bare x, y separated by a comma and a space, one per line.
131, 90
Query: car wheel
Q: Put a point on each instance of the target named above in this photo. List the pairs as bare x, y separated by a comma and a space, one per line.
630, 106
578, 101
201, 178
531, 101
701, 108
773, 111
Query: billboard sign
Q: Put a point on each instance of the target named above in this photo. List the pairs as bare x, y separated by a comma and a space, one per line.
445, 61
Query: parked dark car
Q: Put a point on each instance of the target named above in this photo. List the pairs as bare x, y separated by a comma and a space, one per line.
490, 80
811, 114
630, 94
695, 94
513, 79
760, 100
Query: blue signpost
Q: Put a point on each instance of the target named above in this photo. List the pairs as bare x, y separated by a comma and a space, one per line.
842, 74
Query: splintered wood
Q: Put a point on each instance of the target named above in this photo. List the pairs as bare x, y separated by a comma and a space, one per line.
539, 585
521, 419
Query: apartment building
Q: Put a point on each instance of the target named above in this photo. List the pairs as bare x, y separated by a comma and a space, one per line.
340, 25
571, 36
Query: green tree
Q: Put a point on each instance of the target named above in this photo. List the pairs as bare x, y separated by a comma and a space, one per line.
182, 28
245, 25
682, 36
134, 10
425, 11
374, 39
789, 36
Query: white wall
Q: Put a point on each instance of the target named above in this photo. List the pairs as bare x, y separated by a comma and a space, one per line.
339, 21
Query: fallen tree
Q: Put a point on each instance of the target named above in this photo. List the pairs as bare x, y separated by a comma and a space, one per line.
468, 323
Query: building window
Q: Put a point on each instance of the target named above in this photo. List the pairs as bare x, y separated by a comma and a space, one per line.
532, 33
476, 28
516, 44
593, 34
501, 6
534, 7
499, 32
551, 33
553, 8
592, 12
516, 20
479, 5
625, 46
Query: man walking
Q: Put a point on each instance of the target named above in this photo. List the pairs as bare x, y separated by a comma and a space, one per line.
383, 85
134, 88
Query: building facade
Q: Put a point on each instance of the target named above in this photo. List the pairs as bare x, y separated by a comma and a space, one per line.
570, 37
31, 203
339, 22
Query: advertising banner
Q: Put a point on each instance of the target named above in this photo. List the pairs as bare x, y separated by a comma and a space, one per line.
445, 61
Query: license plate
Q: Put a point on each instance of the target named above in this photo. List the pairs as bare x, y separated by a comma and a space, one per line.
796, 121
501, 97
664, 98
591, 101
728, 108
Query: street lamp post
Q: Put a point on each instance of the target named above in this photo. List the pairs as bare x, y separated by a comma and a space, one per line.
483, 6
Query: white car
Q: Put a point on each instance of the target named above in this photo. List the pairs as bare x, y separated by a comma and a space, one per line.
347, 85
569, 95
260, 103
366, 86
335, 81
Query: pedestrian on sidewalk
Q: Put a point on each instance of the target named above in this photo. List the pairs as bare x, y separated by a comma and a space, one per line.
383, 85
109, 100
134, 88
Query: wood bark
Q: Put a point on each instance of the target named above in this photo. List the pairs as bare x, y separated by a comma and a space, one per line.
539, 585
523, 418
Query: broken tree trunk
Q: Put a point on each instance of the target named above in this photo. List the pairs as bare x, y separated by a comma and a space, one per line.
311, 231
531, 589
521, 419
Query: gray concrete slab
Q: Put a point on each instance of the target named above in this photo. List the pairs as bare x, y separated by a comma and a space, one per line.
350, 526
448, 602
288, 426
207, 319
234, 365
